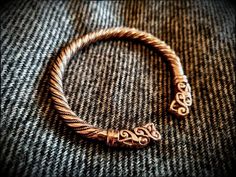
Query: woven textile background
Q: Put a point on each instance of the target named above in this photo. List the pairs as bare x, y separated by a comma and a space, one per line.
118, 84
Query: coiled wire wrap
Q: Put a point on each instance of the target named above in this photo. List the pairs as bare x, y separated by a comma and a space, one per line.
140, 136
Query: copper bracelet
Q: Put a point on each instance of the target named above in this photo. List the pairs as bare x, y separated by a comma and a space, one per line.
139, 136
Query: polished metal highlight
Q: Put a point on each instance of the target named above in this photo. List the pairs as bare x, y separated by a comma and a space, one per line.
139, 136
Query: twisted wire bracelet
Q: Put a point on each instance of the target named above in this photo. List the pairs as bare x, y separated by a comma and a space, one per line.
139, 136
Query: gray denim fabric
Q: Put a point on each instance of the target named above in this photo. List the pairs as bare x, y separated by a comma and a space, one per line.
117, 84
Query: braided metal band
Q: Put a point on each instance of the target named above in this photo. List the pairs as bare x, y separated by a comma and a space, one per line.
139, 136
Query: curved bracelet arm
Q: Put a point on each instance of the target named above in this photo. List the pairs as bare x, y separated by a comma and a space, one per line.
140, 136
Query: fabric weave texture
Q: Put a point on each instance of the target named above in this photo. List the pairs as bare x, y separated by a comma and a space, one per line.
117, 84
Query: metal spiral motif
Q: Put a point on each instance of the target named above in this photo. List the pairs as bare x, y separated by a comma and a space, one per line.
183, 100
140, 136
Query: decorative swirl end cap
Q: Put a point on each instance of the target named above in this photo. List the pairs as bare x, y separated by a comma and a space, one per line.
183, 99
138, 138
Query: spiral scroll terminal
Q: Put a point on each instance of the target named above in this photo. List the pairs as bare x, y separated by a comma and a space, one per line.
183, 99
139, 137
